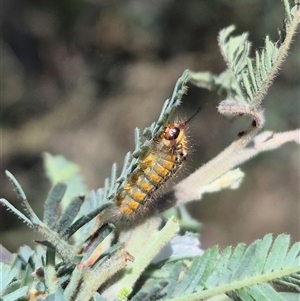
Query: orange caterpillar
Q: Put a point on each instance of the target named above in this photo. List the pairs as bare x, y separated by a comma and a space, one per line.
164, 160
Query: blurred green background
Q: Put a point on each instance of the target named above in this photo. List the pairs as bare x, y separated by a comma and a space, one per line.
78, 77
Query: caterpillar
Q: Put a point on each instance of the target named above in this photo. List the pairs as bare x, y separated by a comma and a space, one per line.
165, 158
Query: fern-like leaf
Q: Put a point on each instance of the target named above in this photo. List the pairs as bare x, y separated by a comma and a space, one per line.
246, 81
244, 273
254, 76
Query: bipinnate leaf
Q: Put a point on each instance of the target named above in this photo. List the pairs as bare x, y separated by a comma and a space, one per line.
244, 273
246, 81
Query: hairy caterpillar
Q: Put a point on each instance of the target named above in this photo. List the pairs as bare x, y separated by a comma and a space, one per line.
165, 158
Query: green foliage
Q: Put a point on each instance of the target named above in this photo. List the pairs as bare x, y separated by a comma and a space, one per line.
245, 82
83, 259
58, 169
240, 272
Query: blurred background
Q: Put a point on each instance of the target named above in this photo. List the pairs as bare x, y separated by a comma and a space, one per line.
78, 77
